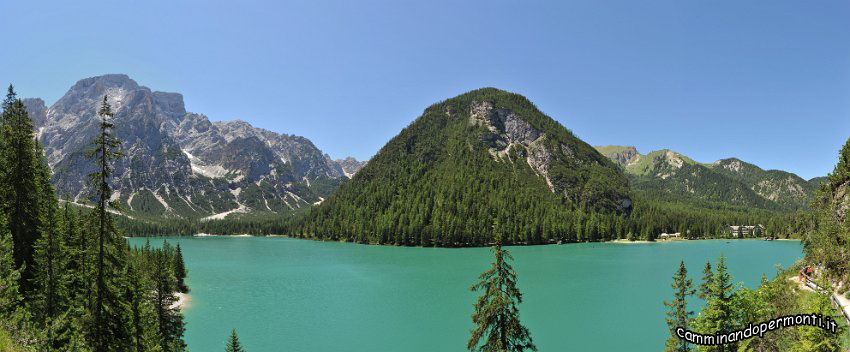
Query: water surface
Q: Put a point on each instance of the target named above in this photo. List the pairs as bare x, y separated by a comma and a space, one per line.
285, 294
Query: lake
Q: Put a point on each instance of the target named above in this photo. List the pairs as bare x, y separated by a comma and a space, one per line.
285, 294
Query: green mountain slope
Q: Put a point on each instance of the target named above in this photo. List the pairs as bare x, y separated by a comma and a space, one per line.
621, 155
668, 175
483, 162
781, 187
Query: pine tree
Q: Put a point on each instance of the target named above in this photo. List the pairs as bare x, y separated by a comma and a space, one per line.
707, 279
170, 321
20, 188
50, 278
142, 315
109, 318
180, 270
233, 344
10, 297
678, 314
720, 315
14, 317
496, 314
78, 251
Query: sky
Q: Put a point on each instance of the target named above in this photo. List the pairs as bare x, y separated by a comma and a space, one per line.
765, 81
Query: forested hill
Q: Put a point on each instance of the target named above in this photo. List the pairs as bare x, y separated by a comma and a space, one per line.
483, 162
779, 186
665, 174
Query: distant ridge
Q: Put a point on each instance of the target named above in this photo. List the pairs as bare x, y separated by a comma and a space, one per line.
668, 174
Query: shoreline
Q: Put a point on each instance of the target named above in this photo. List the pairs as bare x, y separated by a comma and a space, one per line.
182, 302
617, 241
212, 235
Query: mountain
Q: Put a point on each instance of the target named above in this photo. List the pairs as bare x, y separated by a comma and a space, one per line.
782, 187
671, 175
179, 164
37, 111
818, 181
621, 155
481, 163
350, 166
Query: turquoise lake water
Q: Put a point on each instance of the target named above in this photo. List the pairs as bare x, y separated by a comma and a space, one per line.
285, 294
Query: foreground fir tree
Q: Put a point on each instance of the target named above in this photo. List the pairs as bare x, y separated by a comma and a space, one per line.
77, 253
678, 314
719, 314
233, 344
10, 297
109, 325
19, 185
170, 321
496, 314
51, 276
144, 330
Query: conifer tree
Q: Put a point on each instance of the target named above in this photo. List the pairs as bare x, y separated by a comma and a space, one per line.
707, 279
170, 321
496, 314
78, 252
142, 315
10, 297
826, 245
719, 313
233, 344
14, 317
180, 270
8, 100
50, 276
20, 187
678, 314
109, 328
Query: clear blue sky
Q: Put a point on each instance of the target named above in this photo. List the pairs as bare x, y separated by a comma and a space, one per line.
765, 81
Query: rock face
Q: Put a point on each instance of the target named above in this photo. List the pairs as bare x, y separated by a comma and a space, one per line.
350, 166
508, 131
178, 163
841, 201
621, 155
37, 111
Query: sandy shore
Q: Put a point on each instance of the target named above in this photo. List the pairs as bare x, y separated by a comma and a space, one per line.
182, 302
211, 235
628, 242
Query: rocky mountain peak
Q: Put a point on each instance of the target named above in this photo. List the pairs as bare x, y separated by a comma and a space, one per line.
178, 163
730, 164
350, 165
621, 155
37, 111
